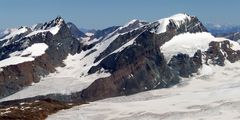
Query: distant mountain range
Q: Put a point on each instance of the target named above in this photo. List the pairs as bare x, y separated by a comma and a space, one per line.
54, 65
229, 31
85, 30
1, 33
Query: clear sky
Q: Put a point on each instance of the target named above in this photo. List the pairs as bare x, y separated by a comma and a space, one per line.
103, 13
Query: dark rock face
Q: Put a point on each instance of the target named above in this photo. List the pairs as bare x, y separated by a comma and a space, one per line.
141, 66
31, 109
218, 52
100, 34
75, 31
185, 65
7, 46
61, 45
137, 68
131, 26
57, 21
103, 33
118, 42
15, 77
192, 26
233, 36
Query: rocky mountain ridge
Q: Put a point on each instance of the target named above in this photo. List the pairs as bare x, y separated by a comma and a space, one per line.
60, 43
138, 56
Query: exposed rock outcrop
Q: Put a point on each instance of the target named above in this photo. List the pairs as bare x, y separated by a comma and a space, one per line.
31, 109
138, 66
15, 77
185, 65
218, 52
75, 31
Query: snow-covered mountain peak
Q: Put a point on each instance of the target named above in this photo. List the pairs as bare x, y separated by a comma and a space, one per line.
57, 22
177, 19
9, 33
75, 31
133, 24
115, 61
52, 26
180, 17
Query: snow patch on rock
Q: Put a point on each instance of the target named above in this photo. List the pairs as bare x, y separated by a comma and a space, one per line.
29, 54
178, 20
53, 30
215, 98
14, 32
189, 43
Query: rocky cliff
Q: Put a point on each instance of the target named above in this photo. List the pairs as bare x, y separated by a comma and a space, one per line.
136, 57
15, 77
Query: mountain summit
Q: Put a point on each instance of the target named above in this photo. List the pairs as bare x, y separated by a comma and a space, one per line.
109, 54
57, 65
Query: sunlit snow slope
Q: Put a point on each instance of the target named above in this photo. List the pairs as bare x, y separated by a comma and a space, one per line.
71, 78
212, 94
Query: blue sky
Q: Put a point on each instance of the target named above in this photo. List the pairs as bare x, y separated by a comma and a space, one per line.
103, 13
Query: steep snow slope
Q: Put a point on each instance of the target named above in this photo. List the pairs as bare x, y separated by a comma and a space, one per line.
138, 23
74, 76
53, 30
77, 66
74, 73
13, 32
178, 19
28, 54
211, 94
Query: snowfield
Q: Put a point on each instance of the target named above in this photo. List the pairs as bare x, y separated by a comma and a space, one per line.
189, 43
53, 30
178, 19
212, 94
13, 32
70, 78
130, 23
29, 54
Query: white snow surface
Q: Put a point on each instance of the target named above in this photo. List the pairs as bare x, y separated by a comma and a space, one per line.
35, 50
29, 54
53, 30
130, 23
14, 61
13, 32
71, 78
212, 94
189, 43
75, 73
89, 34
178, 19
